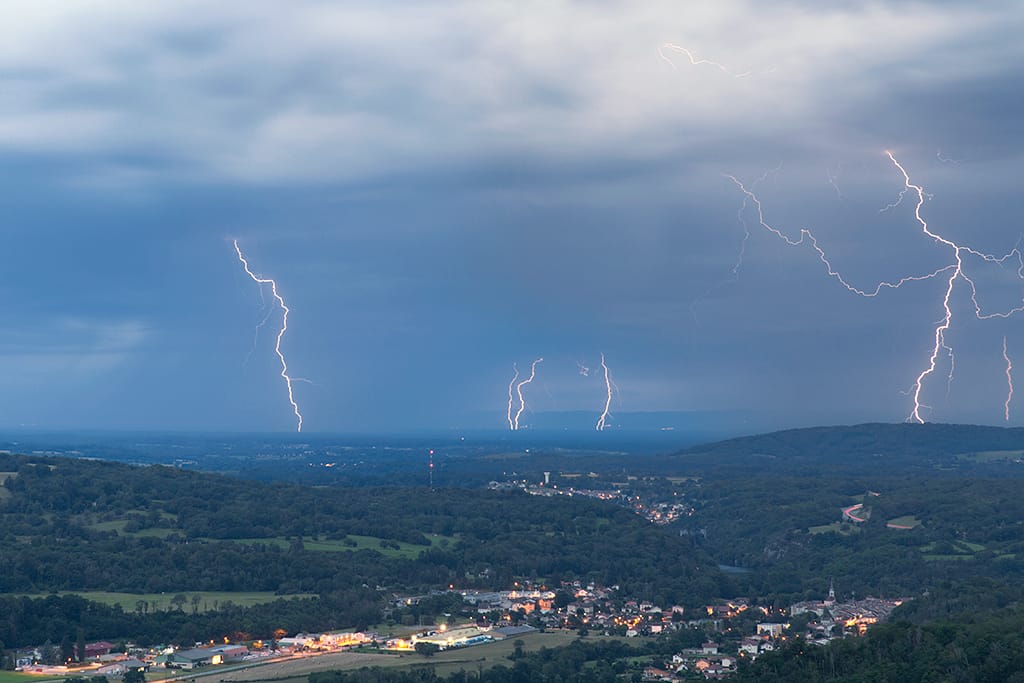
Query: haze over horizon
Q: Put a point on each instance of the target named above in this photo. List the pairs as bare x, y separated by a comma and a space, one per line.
441, 190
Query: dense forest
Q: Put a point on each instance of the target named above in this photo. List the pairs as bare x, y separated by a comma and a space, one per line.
77, 525
980, 647
939, 520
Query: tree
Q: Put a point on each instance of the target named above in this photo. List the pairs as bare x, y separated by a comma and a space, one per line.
134, 676
427, 649
178, 600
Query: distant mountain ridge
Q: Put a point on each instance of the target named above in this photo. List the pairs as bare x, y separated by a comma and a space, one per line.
930, 446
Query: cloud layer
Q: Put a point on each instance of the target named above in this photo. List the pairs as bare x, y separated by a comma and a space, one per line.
444, 189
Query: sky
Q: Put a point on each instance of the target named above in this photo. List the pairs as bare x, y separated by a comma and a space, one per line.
444, 189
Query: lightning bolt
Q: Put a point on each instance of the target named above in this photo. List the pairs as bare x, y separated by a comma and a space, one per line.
519, 393
256, 333
601, 422
511, 386
741, 253
1009, 379
584, 370
696, 61
952, 273
833, 177
280, 335
958, 273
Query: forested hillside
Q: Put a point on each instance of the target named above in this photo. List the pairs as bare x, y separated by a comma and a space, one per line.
77, 525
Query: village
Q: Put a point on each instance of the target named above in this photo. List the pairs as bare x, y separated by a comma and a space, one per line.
720, 635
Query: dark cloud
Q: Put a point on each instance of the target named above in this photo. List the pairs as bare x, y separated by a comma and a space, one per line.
443, 189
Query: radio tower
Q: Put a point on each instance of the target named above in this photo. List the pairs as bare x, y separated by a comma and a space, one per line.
431, 469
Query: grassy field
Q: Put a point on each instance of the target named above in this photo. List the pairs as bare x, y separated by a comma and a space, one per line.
15, 677
403, 550
162, 601
905, 520
119, 524
352, 543
962, 550
470, 658
843, 528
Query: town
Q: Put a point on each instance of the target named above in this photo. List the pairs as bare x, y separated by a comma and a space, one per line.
721, 634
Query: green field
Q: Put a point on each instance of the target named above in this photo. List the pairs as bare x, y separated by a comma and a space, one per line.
403, 550
351, 543
843, 528
477, 657
162, 601
961, 550
16, 677
119, 524
906, 520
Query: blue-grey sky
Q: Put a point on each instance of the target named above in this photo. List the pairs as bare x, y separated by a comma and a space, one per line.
442, 189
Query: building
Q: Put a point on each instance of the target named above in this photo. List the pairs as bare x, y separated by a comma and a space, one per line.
119, 669
771, 630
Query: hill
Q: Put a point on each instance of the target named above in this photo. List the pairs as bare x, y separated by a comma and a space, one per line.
867, 448
83, 525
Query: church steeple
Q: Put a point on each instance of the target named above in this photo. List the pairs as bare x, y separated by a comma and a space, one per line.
831, 590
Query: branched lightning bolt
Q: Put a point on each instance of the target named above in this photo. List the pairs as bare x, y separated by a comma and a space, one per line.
953, 272
584, 370
696, 61
735, 270
511, 386
280, 335
602, 421
806, 236
519, 392
1009, 379
957, 273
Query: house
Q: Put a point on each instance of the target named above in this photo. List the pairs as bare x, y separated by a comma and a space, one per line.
653, 673
751, 645
709, 648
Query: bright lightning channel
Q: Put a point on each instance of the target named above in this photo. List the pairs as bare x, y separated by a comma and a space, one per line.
511, 387
954, 272
280, 334
602, 421
696, 61
519, 393
1009, 379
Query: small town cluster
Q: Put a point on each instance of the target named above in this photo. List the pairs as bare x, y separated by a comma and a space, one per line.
655, 509
732, 630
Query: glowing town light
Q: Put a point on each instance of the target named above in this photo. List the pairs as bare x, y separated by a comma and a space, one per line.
953, 272
519, 392
696, 61
1009, 379
602, 421
280, 334
511, 388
